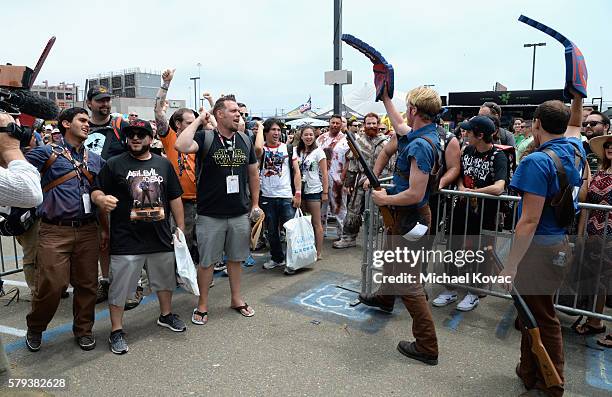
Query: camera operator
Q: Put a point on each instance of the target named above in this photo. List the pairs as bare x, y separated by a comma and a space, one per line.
19, 187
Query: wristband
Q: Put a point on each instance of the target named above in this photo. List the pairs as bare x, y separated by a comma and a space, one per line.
163, 88
325, 193
298, 194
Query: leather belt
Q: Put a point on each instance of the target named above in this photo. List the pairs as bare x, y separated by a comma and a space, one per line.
77, 223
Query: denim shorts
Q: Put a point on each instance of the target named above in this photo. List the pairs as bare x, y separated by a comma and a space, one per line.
312, 197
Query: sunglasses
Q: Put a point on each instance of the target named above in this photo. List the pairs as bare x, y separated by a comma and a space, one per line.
607, 145
382, 129
592, 123
139, 134
357, 125
133, 115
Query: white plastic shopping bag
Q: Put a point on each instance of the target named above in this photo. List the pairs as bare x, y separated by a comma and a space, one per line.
301, 249
186, 274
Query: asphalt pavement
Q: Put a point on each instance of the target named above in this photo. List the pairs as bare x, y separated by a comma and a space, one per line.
304, 340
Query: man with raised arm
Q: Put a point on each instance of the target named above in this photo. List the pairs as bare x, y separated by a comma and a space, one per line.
226, 168
538, 258
418, 150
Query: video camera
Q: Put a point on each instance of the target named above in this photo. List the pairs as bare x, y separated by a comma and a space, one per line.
16, 98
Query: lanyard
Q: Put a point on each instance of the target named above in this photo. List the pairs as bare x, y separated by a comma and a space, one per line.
231, 149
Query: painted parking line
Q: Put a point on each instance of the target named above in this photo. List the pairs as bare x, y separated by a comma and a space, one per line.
599, 365
101, 315
453, 322
12, 331
53, 333
507, 321
17, 283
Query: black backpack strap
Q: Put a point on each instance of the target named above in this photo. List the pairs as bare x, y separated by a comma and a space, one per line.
209, 136
560, 170
436, 165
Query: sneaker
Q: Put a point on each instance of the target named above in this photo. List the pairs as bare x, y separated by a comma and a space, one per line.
212, 283
219, 267
468, 303
134, 302
272, 264
171, 321
445, 298
345, 243
409, 349
118, 343
289, 271
65, 294
102, 292
33, 341
86, 342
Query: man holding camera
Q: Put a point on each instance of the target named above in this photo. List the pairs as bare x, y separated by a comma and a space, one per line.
19, 187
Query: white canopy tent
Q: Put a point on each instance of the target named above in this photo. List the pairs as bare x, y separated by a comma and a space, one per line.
362, 100
307, 120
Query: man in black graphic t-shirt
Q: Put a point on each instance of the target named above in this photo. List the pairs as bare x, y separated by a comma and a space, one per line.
140, 236
226, 169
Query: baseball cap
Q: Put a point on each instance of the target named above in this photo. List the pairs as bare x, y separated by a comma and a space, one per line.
48, 127
98, 92
479, 124
138, 124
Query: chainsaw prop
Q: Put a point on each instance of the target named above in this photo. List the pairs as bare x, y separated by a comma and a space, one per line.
575, 68
383, 71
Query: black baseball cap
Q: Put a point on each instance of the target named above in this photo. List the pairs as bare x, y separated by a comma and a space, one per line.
479, 124
98, 92
138, 124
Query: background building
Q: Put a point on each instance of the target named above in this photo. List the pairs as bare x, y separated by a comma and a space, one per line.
64, 95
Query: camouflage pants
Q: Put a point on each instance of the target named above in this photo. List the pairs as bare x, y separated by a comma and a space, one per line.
355, 208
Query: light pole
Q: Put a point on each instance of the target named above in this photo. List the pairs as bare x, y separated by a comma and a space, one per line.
195, 92
534, 45
199, 65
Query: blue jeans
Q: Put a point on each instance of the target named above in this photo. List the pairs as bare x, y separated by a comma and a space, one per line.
278, 211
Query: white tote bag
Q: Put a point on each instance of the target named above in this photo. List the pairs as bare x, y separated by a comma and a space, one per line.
301, 249
186, 274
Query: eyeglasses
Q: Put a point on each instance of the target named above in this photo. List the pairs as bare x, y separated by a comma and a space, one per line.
607, 145
591, 123
139, 134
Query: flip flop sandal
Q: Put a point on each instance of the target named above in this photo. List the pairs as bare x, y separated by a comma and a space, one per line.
244, 307
588, 329
202, 315
607, 338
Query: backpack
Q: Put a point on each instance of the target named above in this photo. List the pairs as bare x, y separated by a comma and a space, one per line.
563, 202
15, 221
209, 136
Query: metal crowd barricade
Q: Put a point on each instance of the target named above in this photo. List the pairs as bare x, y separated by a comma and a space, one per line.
569, 299
10, 253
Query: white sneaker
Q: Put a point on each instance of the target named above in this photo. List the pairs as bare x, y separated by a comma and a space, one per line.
271, 264
445, 298
468, 303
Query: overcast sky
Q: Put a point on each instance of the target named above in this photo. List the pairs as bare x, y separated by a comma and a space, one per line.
273, 53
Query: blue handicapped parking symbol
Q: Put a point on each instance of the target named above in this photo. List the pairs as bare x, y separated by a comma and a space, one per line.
328, 298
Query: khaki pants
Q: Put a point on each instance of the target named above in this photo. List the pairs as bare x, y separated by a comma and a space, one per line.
29, 245
66, 255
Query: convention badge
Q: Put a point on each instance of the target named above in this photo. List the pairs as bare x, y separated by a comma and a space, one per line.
232, 184
86, 203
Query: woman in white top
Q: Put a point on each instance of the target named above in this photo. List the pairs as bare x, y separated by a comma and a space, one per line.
313, 167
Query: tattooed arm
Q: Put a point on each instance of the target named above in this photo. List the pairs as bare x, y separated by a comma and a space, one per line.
161, 104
